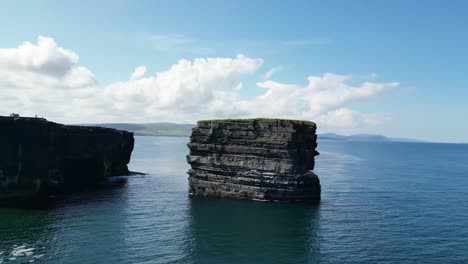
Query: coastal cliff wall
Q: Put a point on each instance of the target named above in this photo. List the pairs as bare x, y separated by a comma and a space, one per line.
260, 159
39, 157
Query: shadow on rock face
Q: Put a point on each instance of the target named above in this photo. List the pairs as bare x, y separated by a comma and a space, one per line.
39, 158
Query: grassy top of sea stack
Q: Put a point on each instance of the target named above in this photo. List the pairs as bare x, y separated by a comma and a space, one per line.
259, 120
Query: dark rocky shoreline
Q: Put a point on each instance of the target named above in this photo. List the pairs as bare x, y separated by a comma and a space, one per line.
258, 159
39, 158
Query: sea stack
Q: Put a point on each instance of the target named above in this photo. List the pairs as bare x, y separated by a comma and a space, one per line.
258, 159
38, 157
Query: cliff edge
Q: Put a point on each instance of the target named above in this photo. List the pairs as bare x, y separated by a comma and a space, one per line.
38, 157
259, 159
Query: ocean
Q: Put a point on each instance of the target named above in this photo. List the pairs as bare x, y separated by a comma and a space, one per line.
382, 202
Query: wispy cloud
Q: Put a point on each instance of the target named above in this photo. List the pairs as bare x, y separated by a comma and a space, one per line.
179, 43
271, 72
371, 76
308, 42
407, 90
138, 73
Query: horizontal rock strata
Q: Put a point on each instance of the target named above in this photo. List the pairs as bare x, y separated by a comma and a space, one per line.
261, 159
40, 157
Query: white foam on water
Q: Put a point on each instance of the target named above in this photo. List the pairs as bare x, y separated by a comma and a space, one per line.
21, 251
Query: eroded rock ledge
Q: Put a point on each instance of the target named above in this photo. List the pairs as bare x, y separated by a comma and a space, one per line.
38, 157
260, 159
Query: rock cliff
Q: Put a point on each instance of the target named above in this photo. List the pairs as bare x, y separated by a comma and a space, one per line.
260, 159
38, 157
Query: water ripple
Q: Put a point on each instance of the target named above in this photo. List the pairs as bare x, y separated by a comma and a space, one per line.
382, 203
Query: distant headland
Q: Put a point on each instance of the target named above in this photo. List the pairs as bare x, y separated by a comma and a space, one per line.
184, 130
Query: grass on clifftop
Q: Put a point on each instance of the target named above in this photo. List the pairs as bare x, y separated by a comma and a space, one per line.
260, 120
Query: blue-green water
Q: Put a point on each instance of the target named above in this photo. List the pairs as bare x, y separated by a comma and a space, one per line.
382, 203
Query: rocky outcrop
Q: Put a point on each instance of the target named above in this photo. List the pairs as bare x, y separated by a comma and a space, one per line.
260, 159
38, 157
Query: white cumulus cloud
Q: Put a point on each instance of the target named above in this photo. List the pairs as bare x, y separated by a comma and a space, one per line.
321, 95
44, 64
45, 57
45, 79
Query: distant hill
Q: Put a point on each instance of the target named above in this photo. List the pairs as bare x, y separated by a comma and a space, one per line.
365, 137
152, 129
184, 130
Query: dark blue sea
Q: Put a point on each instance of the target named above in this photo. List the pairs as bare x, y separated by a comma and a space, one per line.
381, 203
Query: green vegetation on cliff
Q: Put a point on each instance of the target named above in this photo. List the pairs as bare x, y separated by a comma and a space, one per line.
260, 120
184, 130
153, 129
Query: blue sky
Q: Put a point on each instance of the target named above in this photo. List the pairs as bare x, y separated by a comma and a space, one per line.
421, 45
